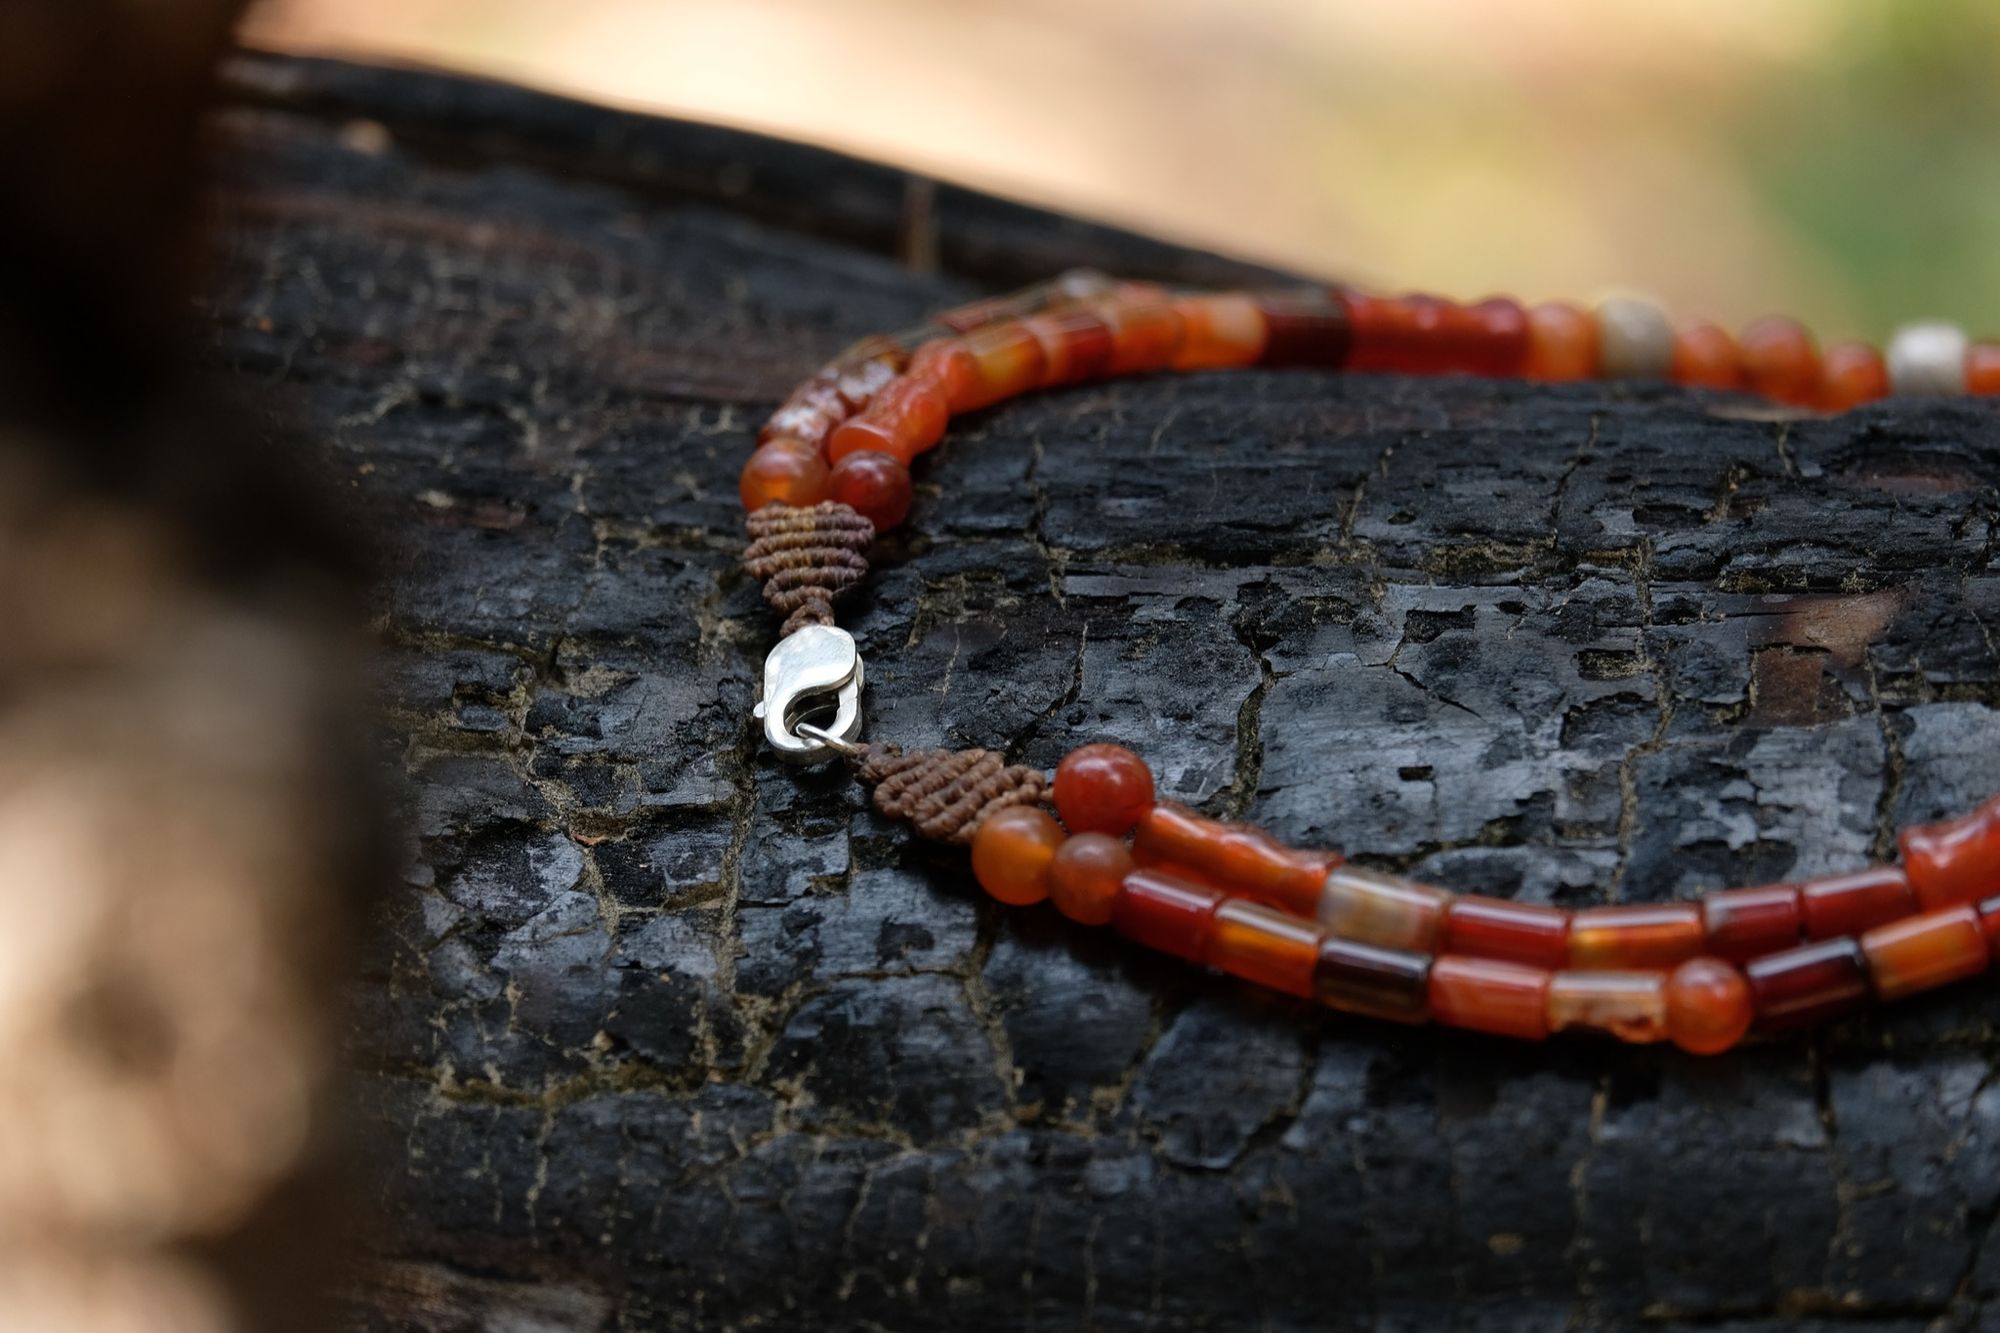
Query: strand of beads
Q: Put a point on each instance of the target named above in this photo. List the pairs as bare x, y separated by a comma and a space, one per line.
1700, 974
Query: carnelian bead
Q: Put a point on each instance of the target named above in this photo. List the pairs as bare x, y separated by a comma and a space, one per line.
1487, 995
1807, 984
782, 473
1562, 343
1374, 908
861, 381
1709, 1006
1743, 923
1145, 334
1076, 345
1424, 335
905, 419
1923, 952
1244, 861
1012, 852
1498, 928
1631, 1006
1989, 923
1364, 979
1164, 912
1218, 331
1850, 374
1706, 355
1264, 945
947, 367
1007, 359
1103, 788
1780, 361
1850, 904
1300, 331
875, 486
1085, 875
1638, 937
1982, 368
1954, 860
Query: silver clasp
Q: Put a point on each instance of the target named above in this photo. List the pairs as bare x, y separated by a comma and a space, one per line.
815, 661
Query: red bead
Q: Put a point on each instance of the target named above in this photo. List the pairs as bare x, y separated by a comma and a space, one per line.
1923, 952
906, 419
1982, 368
782, 473
947, 367
1954, 860
1989, 924
1300, 331
1364, 979
1424, 335
1852, 373
1850, 904
1498, 928
1709, 1006
1743, 923
1103, 788
1241, 860
1487, 995
1562, 343
1012, 853
1145, 334
1780, 361
1635, 937
1076, 345
1264, 945
1808, 984
1085, 875
1160, 911
876, 486
1706, 356
1007, 359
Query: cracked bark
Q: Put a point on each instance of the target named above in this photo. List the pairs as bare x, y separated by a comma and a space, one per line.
659, 1034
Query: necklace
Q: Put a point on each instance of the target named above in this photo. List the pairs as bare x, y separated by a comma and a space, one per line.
832, 469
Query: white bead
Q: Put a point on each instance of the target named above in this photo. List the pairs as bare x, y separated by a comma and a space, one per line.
1634, 339
1927, 358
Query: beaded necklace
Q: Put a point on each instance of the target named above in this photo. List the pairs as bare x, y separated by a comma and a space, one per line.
832, 469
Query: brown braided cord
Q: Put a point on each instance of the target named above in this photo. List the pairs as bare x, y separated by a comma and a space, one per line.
945, 794
805, 557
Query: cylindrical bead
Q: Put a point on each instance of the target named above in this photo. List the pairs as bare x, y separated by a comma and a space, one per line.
1631, 1006
947, 367
1849, 904
1218, 331
1562, 343
1381, 983
1743, 923
1167, 913
1920, 953
1850, 374
1007, 359
1425, 335
1374, 908
1780, 360
1634, 339
1145, 334
859, 381
1705, 355
1635, 937
906, 418
1928, 358
1954, 860
1264, 945
1808, 984
1482, 927
1242, 860
1487, 995
1301, 331
1076, 344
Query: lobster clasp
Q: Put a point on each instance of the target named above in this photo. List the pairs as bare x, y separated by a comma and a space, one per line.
814, 662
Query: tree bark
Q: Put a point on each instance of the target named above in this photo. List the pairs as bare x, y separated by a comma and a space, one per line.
657, 1033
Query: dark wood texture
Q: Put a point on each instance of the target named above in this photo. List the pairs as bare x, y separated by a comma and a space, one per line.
660, 1034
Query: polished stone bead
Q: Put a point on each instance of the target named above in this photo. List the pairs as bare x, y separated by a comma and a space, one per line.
874, 485
1219, 331
1487, 995
1634, 339
1631, 1006
1012, 853
1085, 875
1366, 979
1165, 912
1849, 904
780, 472
1709, 1006
1102, 788
1920, 953
1743, 923
1705, 355
1483, 927
1237, 858
1264, 945
1374, 908
1562, 343
1954, 860
1808, 984
1635, 937
1928, 358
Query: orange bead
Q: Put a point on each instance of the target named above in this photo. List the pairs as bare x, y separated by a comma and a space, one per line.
1743, 923
1954, 860
782, 473
875, 486
1982, 368
1635, 938
1146, 334
1781, 361
1164, 912
1007, 361
1085, 875
1501, 928
1851, 373
905, 419
1264, 945
1631, 1006
1103, 788
1076, 345
1487, 995
1425, 335
947, 367
1920, 953
1012, 853
1245, 861
1709, 1006
1562, 343
1218, 331
1836, 905
1372, 908
1705, 355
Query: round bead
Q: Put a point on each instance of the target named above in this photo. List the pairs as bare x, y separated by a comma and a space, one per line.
1562, 343
1781, 361
1708, 1006
1634, 339
876, 486
782, 473
1928, 358
1705, 355
1085, 875
1851, 374
1103, 789
1012, 853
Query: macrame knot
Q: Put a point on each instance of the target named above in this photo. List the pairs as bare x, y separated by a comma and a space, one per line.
945, 794
806, 557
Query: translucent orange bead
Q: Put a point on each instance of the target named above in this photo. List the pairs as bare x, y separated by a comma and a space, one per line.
1849, 904
1781, 361
782, 473
1920, 953
1007, 360
1012, 852
1706, 356
1982, 368
875, 486
1085, 875
1562, 343
1499, 928
1487, 995
1244, 861
1076, 345
1374, 908
1743, 923
1426, 335
1709, 1006
1161, 911
1219, 331
1631, 1006
1145, 334
1635, 937
1103, 788
1851, 373
1264, 945
903, 421
1954, 860
947, 367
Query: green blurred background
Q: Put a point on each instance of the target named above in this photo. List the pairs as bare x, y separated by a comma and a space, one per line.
1834, 159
